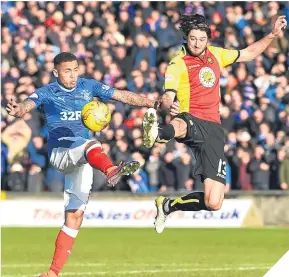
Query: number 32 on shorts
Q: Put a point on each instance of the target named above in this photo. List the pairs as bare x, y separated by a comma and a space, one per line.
222, 169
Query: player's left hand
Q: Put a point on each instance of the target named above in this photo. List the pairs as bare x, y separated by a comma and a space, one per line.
279, 25
175, 109
12, 107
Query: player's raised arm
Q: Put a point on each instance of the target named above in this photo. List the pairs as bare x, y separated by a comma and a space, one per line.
20, 109
134, 99
171, 85
258, 47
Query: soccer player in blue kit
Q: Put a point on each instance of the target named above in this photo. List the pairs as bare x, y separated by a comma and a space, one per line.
70, 148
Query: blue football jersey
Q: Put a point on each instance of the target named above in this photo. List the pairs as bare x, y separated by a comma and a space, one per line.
62, 108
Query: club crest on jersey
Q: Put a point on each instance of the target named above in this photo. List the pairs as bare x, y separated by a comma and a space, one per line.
85, 95
207, 77
210, 60
105, 87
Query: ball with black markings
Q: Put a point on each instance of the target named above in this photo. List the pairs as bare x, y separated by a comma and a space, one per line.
95, 116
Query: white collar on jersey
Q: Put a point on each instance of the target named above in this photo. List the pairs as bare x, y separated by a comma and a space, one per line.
65, 89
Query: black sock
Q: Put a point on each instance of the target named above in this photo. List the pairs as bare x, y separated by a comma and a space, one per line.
194, 201
166, 133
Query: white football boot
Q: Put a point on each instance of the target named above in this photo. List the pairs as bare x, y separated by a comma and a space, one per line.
150, 128
161, 217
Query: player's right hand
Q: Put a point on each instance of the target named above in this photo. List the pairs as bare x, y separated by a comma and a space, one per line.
12, 107
279, 24
175, 109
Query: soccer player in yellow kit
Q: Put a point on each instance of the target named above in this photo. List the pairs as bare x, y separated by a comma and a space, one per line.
193, 78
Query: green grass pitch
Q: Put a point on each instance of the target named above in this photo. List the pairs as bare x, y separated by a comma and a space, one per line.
113, 252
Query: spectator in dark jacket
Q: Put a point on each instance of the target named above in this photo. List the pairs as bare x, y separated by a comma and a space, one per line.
166, 35
283, 157
4, 159
259, 170
38, 160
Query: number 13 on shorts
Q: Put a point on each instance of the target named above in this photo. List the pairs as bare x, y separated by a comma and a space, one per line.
222, 169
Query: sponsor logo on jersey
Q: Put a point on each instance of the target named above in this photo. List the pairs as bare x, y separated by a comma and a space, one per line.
207, 77
105, 87
210, 60
194, 66
61, 98
169, 77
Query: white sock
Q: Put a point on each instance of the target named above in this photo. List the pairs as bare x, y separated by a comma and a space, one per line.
71, 232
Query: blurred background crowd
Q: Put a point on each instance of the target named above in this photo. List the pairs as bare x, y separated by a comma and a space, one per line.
127, 45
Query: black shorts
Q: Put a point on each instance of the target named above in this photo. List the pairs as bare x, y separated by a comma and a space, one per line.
206, 139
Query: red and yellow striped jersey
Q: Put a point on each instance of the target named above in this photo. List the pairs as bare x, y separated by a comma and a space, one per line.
196, 80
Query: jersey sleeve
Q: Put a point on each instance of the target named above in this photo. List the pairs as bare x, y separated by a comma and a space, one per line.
38, 97
173, 75
102, 91
225, 56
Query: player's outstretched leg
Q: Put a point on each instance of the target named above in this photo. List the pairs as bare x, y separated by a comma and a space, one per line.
194, 201
99, 160
161, 133
76, 194
63, 248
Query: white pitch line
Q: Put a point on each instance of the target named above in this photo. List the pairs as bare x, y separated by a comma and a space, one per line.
136, 272
116, 264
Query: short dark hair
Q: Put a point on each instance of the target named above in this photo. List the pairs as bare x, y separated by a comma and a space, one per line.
194, 22
64, 57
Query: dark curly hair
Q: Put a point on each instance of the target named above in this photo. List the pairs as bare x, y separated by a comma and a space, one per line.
64, 57
195, 21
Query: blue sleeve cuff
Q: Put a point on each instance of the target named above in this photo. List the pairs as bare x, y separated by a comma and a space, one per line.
35, 100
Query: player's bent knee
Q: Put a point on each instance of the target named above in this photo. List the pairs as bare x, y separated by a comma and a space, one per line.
91, 145
214, 194
180, 127
74, 214
73, 219
214, 205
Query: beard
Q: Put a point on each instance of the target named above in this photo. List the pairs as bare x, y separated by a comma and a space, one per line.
196, 52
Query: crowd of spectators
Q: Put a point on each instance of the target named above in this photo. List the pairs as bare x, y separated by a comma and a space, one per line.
128, 45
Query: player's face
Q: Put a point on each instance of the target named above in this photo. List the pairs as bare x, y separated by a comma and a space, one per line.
68, 73
197, 42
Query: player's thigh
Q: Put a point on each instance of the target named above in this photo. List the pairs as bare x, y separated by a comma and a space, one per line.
197, 160
77, 187
71, 155
78, 149
214, 168
193, 129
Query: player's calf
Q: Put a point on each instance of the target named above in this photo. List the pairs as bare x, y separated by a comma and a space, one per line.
214, 194
194, 201
176, 129
97, 158
65, 239
63, 247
